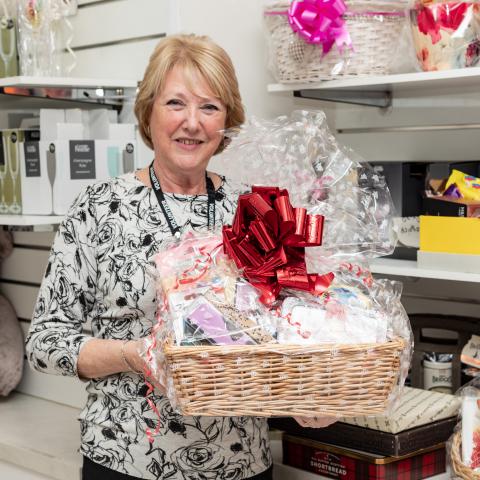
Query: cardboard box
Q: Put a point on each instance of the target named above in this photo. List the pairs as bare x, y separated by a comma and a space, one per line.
416, 407
36, 178
373, 441
451, 207
342, 463
79, 163
442, 170
450, 234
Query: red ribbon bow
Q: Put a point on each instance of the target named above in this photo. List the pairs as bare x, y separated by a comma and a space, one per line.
268, 239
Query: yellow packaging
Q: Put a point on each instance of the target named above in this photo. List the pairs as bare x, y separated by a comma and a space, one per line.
450, 234
467, 185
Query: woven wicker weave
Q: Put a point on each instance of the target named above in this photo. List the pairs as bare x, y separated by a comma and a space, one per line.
284, 380
461, 470
374, 39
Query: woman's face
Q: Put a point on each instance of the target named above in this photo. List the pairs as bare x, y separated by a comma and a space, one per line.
185, 126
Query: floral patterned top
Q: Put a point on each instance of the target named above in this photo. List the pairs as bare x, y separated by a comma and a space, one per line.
99, 276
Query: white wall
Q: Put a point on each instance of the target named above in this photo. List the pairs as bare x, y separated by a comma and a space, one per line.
237, 26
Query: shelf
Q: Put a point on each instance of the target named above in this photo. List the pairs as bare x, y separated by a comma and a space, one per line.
403, 81
87, 90
378, 90
409, 268
30, 220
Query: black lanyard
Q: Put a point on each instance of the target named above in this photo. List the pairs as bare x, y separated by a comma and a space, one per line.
174, 228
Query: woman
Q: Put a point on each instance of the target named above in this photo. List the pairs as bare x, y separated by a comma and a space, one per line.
99, 277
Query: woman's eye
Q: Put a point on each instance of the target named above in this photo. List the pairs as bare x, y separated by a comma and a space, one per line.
210, 107
175, 103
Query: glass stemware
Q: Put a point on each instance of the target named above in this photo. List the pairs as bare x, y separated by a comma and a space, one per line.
14, 169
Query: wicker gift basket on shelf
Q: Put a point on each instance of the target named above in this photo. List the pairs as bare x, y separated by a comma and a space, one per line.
285, 380
374, 39
460, 469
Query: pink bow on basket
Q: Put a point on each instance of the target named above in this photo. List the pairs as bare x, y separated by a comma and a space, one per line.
320, 21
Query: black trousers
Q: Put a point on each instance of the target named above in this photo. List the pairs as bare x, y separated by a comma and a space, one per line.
95, 471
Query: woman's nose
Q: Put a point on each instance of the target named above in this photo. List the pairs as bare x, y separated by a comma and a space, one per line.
192, 119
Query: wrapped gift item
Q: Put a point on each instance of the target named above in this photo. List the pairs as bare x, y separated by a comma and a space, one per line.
300, 154
222, 346
314, 40
464, 445
416, 407
446, 34
279, 316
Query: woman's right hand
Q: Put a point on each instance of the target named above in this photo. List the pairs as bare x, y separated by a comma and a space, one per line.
134, 359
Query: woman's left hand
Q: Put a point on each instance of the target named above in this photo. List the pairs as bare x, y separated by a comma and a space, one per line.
315, 422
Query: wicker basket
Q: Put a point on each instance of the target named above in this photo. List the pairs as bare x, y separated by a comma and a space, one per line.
285, 380
461, 470
374, 39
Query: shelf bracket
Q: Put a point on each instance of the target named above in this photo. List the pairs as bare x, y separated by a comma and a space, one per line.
368, 98
108, 97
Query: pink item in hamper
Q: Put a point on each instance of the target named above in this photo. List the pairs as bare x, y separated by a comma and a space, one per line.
446, 35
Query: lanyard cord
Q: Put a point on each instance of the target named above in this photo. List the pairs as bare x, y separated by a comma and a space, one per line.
162, 201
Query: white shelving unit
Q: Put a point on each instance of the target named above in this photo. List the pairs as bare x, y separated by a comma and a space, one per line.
86, 90
456, 79
30, 220
409, 268
379, 90
64, 82
92, 91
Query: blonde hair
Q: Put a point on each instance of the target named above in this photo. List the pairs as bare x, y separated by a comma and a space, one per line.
197, 55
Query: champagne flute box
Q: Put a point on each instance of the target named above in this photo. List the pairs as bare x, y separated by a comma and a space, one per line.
35, 173
79, 163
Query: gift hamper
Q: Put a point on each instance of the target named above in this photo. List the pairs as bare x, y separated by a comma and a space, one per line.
315, 40
278, 314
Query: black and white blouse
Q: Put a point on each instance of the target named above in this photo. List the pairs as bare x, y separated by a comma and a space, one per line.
99, 274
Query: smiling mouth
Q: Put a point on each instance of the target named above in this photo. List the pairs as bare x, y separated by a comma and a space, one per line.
189, 141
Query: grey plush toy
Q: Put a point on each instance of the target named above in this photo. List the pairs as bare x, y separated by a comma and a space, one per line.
11, 335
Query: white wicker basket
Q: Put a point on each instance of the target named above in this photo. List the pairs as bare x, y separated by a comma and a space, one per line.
374, 38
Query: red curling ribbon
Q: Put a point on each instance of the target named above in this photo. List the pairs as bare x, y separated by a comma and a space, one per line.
267, 241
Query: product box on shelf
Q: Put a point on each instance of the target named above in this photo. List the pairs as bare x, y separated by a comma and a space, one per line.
79, 163
451, 207
442, 170
346, 464
10, 163
420, 419
36, 169
372, 441
450, 234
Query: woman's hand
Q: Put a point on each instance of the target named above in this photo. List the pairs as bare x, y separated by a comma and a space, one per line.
315, 422
132, 353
